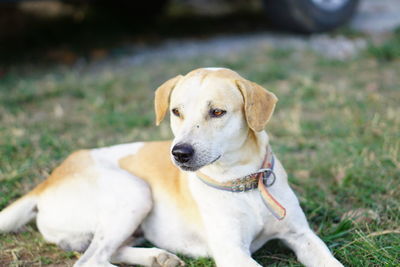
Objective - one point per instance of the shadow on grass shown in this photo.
(275, 253)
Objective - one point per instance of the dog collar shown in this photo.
(261, 180)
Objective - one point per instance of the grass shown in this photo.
(388, 51)
(336, 130)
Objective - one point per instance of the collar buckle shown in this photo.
(268, 176)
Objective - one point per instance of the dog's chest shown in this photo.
(166, 228)
(243, 213)
(222, 213)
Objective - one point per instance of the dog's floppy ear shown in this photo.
(259, 104)
(161, 100)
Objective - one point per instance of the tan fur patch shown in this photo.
(221, 73)
(78, 162)
(152, 163)
(161, 99)
(259, 104)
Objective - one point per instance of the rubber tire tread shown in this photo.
(304, 16)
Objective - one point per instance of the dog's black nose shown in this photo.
(182, 152)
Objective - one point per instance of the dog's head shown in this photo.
(212, 112)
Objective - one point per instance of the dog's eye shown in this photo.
(176, 112)
(215, 113)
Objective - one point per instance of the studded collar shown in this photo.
(261, 180)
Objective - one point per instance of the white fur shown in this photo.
(111, 155)
(214, 68)
(14, 217)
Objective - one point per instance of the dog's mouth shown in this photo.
(194, 167)
(189, 168)
(217, 158)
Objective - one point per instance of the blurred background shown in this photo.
(79, 74)
(82, 31)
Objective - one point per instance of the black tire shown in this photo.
(307, 16)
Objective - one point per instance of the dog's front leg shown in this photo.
(309, 248)
(226, 254)
(229, 245)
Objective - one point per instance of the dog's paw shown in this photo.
(91, 264)
(166, 259)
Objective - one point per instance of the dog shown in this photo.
(217, 190)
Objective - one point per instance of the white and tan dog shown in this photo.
(97, 199)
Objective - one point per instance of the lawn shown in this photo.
(335, 128)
